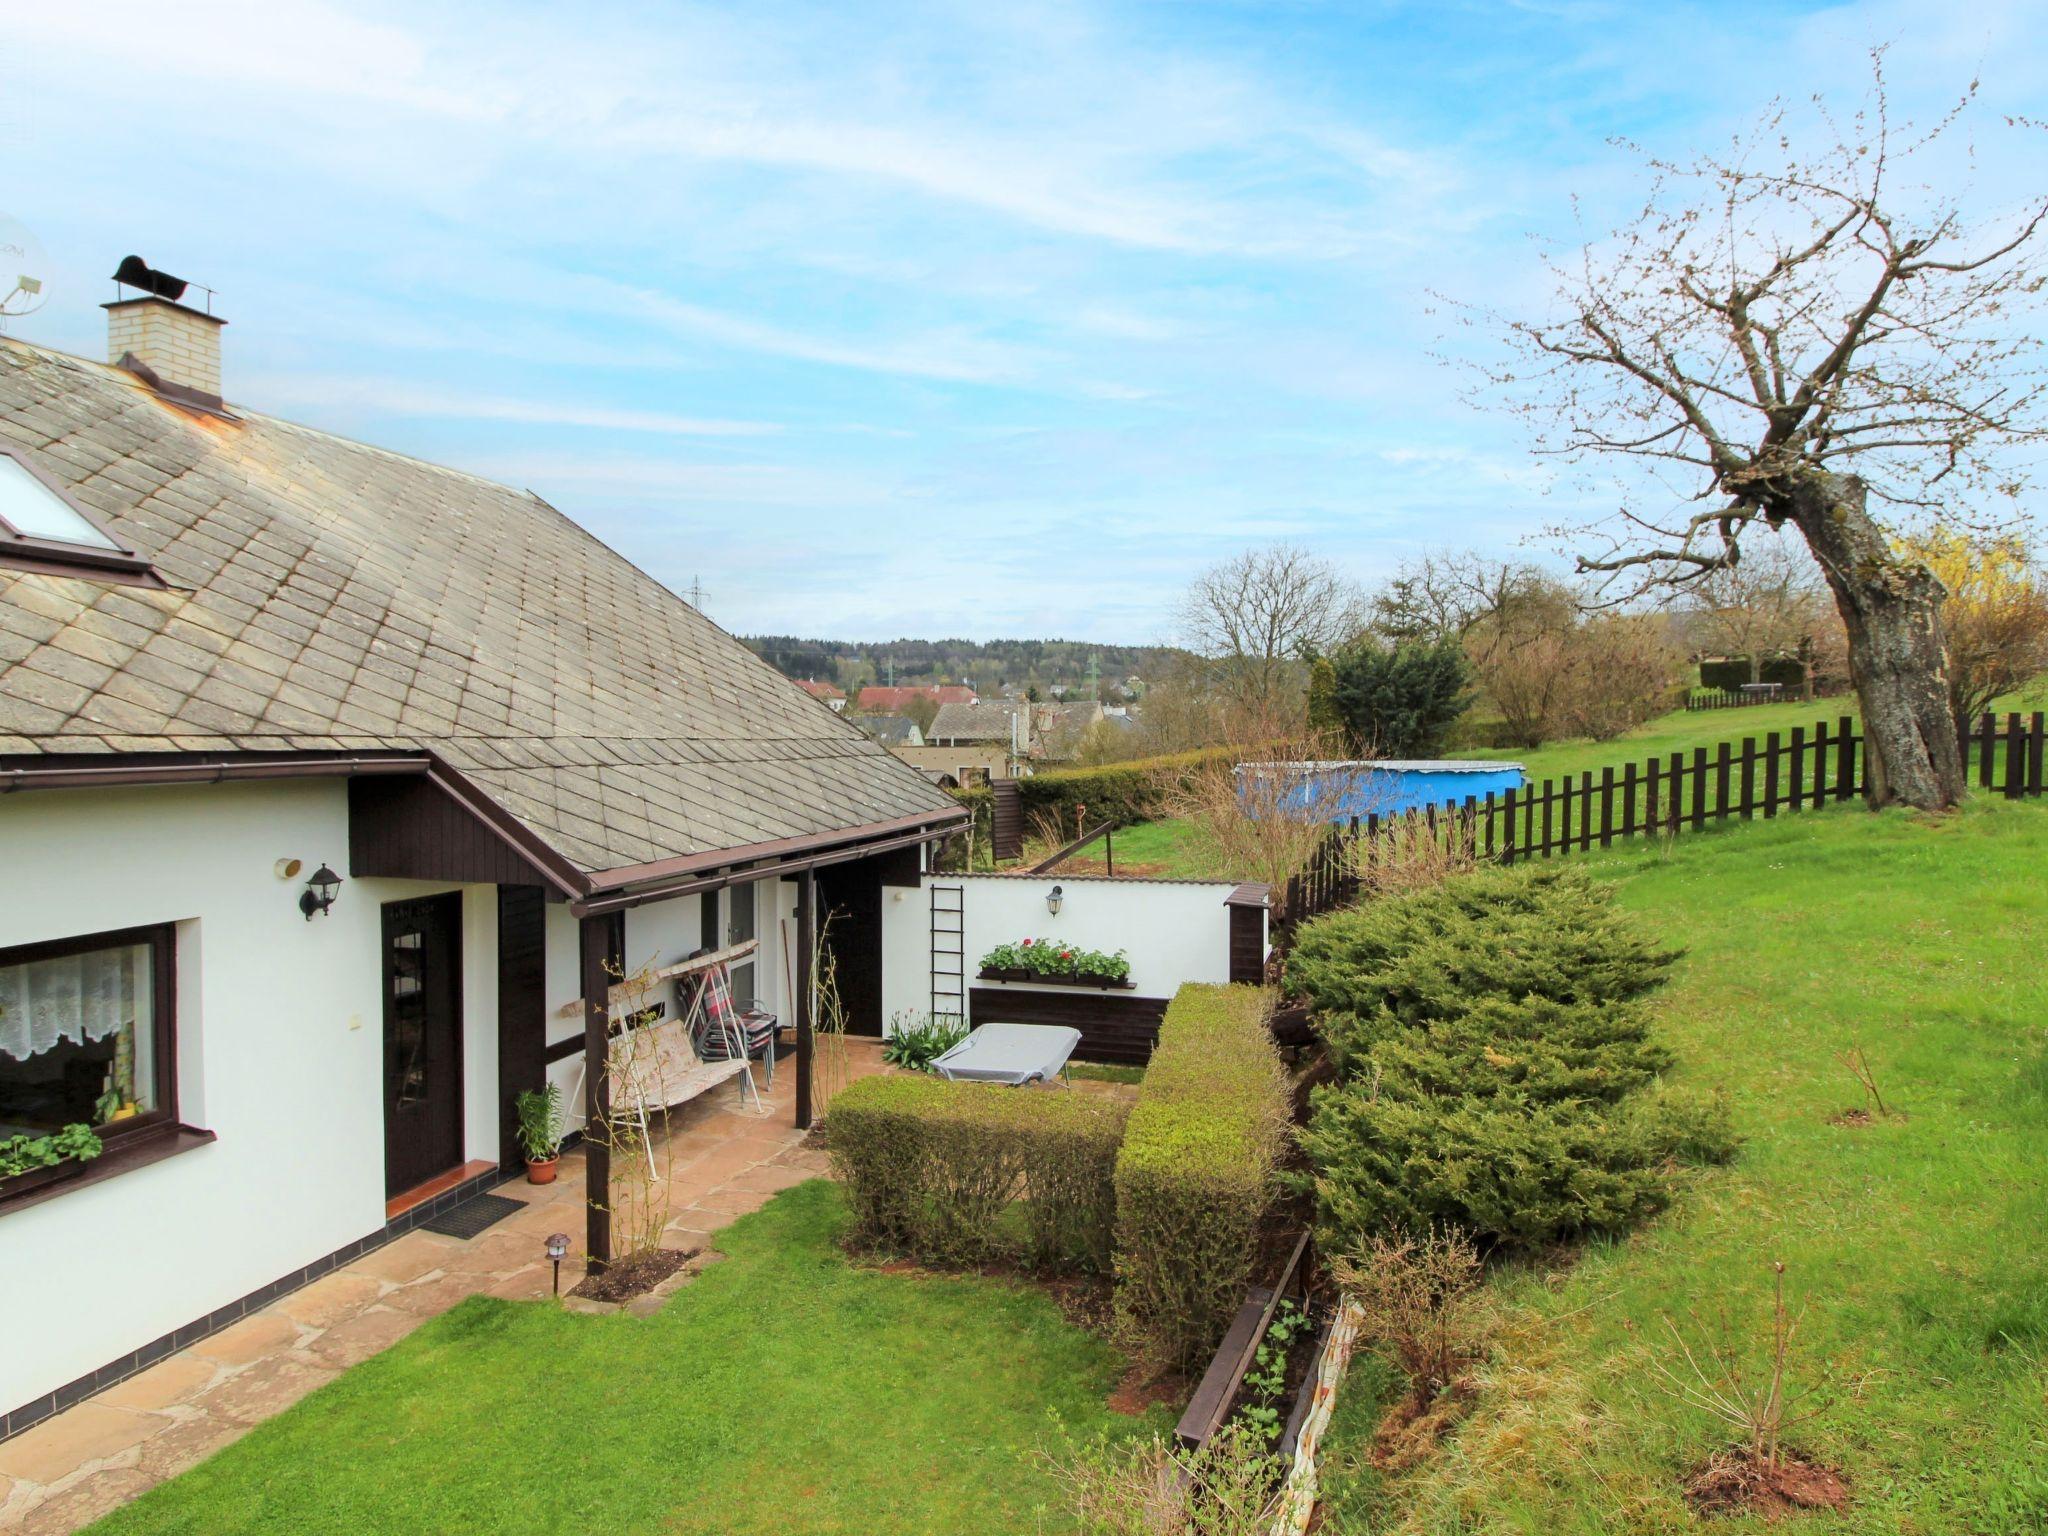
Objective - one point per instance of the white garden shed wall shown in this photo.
(1173, 931)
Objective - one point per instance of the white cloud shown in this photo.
(399, 397)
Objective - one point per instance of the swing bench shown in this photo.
(655, 1066)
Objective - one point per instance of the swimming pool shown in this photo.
(1386, 787)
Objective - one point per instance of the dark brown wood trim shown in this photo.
(412, 828)
(138, 1150)
(1115, 1026)
(121, 769)
(806, 963)
(786, 868)
(1047, 866)
(1247, 942)
(610, 880)
(27, 546)
(522, 1008)
(594, 947)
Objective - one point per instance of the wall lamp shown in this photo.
(1054, 898)
(322, 886)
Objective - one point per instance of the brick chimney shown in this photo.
(172, 346)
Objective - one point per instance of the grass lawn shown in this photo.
(1917, 1245)
(783, 1390)
(1169, 848)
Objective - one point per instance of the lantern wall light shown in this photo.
(322, 886)
(1054, 899)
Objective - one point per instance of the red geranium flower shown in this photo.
(1029, 942)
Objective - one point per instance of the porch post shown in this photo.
(593, 936)
(806, 964)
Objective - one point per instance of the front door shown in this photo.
(422, 1039)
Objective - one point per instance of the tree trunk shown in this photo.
(1897, 656)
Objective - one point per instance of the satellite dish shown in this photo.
(24, 269)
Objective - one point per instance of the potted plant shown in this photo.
(540, 1132)
(27, 1162)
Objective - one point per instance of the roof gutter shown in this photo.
(747, 853)
(125, 772)
(827, 848)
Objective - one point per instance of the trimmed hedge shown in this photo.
(1731, 675)
(1499, 1073)
(1123, 792)
(1197, 1170)
(932, 1169)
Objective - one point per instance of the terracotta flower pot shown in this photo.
(542, 1173)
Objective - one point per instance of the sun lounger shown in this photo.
(1010, 1053)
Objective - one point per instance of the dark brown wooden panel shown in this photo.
(522, 1008)
(406, 828)
(850, 910)
(1114, 1027)
(1007, 819)
(1247, 944)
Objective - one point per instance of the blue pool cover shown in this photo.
(1387, 787)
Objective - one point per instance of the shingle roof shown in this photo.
(989, 721)
(892, 730)
(1058, 730)
(327, 595)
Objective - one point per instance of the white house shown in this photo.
(238, 655)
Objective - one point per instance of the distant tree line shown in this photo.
(1070, 666)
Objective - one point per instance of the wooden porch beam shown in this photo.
(806, 970)
(594, 942)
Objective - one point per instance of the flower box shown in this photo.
(1042, 979)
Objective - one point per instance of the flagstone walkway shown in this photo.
(68, 1471)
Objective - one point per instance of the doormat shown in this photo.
(473, 1215)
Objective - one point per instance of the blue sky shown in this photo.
(993, 319)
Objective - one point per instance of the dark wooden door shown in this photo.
(422, 1039)
(850, 895)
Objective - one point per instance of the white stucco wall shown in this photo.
(1173, 931)
(280, 1054)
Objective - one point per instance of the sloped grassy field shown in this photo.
(1918, 1245)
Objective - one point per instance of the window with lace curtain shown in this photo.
(86, 1033)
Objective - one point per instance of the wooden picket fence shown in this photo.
(1661, 796)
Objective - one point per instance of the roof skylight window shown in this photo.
(42, 525)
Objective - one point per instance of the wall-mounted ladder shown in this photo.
(949, 952)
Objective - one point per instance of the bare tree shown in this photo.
(1791, 337)
(1254, 616)
(1444, 596)
(1763, 608)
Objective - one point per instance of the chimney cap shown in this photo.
(134, 272)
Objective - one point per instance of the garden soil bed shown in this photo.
(1736, 1482)
(630, 1277)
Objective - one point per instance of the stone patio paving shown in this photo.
(68, 1471)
